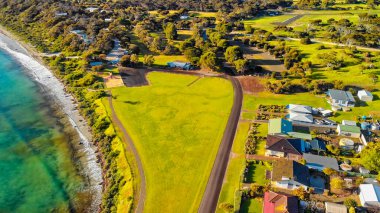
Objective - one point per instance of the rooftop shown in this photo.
(349, 128)
(280, 203)
(326, 162)
(370, 192)
(335, 208)
(279, 125)
(341, 95)
(287, 145)
(299, 108)
(290, 169)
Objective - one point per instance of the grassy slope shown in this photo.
(177, 130)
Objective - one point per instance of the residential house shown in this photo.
(300, 117)
(317, 146)
(289, 174)
(349, 131)
(296, 108)
(341, 98)
(279, 126)
(60, 14)
(335, 208)
(181, 65)
(289, 148)
(364, 95)
(369, 195)
(320, 162)
(280, 203)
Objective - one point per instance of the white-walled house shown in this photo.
(365, 95)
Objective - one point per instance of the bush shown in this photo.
(305, 40)
(350, 203)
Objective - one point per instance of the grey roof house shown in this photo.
(341, 98)
(320, 162)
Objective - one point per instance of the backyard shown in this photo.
(176, 117)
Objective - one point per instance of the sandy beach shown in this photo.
(30, 59)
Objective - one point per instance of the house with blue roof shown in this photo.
(279, 126)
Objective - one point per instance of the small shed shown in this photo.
(326, 113)
(364, 171)
(349, 123)
(346, 143)
(335, 208)
(365, 95)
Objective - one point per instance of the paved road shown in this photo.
(215, 182)
(142, 190)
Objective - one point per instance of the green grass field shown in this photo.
(266, 22)
(177, 130)
(163, 60)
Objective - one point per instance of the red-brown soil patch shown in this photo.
(251, 84)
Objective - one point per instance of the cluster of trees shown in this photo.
(306, 85)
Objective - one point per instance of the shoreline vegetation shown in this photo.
(98, 144)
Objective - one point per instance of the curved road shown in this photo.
(126, 137)
(214, 185)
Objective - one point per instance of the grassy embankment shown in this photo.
(177, 129)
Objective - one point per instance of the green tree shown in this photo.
(170, 31)
(233, 53)
(370, 157)
(210, 61)
(329, 171)
(336, 183)
(134, 59)
(241, 65)
(349, 202)
(301, 193)
(148, 60)
(125, 60)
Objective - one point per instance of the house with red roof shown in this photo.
(280, 203)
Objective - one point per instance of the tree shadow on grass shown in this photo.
(132, 102)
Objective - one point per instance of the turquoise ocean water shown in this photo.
(37, 173)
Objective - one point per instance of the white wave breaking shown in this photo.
(45, 77)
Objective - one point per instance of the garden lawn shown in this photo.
(252, 206)
(177, 130)
(256, 173)
(235, 167)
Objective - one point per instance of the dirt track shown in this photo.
(215, 182)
